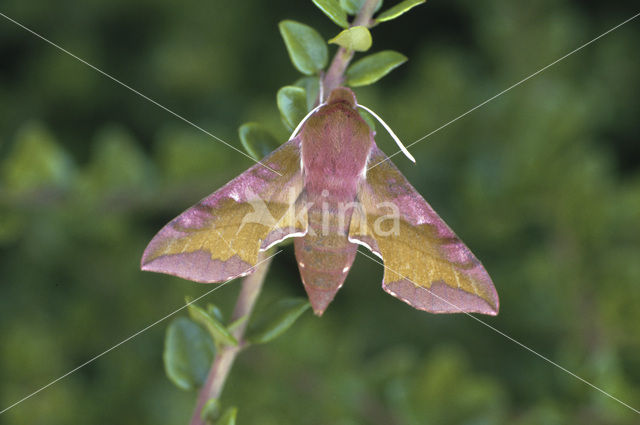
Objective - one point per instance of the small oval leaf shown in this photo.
(277, 320)
(188, 353)
(355, 38)
(228, 418)
(217, 330)
(257, 140)
(352, 7)
(332, 9)
(371, 68)
(398, 10)
(292, 102)
(307, 49)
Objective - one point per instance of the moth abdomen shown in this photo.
(323, 266)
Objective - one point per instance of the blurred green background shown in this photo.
(543, 184)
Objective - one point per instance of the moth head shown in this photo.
(342, 94)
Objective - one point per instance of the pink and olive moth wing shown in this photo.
(426, 265)
(220, 237)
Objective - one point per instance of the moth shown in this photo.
(331, 189)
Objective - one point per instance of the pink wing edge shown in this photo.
(440, 297)
(199, 266)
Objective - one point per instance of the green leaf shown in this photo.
(307, 50)
(217, 330)
(234, 325)
(332, 9)
(186, 156)
(257, 140)
(398, 10)
(118, 166)
(371, 68)
(292, 102)
(228, 418)
(312, 86)
(188, 353)
(355, 38)
(36, 162)
(215, 312)
(12, 225)
(368, 118)
(277, 320)
(211, 410)
(352, 7)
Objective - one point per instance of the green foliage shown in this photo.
(215, 312)
(371, 121)
(228, 418)
(355, 38)
(212, 413)
(217, 330)
(332, 9)
(371, 68)
(307, 50)
(211, 410)
(239, 321)
(11, 226)
(183, 156)
(444, 377)
(257, 140)
(188, 353)
(278, 318)
(311, 85)
(36, 163)
(397, 10)
(118, 167)
(352, 7)
(292, 103)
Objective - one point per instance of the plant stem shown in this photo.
(212, 388)
(334, 76)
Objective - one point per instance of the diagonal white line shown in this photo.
(127, 339)
(134, 90)
(371, 258)
(531, 350)
(512, 87)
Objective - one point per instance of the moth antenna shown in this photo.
(295, 132)
(391, 133)
(321, 91)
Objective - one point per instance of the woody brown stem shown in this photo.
(334, 77)
(212, 388)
